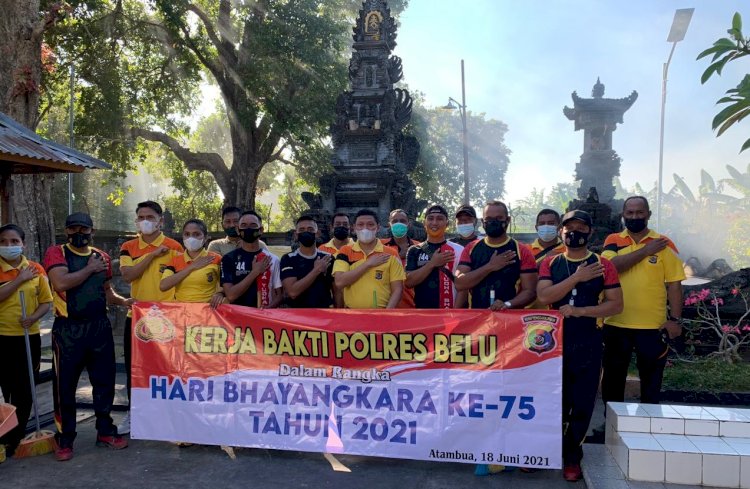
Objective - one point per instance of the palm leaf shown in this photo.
(683, 188)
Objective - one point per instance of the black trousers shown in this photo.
(651, 357)
(582, 364)
(14, 380)
(79, 344)
(127, 348)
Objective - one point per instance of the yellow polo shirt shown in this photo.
(537, 249)
(36, 291)
(200, 285)
(146, 287)
(643, 285)
(373, 289)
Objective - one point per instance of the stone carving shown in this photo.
(371, 157)
(599, 163)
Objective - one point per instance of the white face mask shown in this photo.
(192, 244)
(10, 252)
(547, 232)
(147, 227)
(465, 230)
(365, 235)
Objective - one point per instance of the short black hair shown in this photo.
(499, 204)
(548, 211)
(305, 217)
(252, 213)
(230, 209)
(197, 222)
(339, 214)
(150, 204)
(367, 212)
(397, 211)
(644, 199)
(16, 228)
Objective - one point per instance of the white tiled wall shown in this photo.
(681, 444)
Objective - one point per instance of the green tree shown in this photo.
(439, 171)
(722, 52)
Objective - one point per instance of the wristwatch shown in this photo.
(507, 304)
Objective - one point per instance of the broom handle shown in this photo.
(28, 361)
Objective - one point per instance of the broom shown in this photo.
(39, 442)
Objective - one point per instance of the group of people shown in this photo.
(626, 299)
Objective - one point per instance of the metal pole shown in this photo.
(465, 139)
(665, 70)
(72, 141)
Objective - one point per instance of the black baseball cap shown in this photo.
(579, 215)
(79, 219)
(436, 209)
(466, 209)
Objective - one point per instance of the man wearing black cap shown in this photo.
(466, 225)
(499, 272)
(573, 283)
(430, 266)
(82, 334)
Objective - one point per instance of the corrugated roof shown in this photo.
(17, 140)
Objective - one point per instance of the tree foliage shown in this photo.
(722, 52)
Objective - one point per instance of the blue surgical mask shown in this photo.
(547, 232)
(465, 230)
(10, 252)
(399, 229)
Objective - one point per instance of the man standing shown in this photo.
(82, 334)
(306, 272)
(142, 261)
(466, 225)
(398, 221)
(499, 271)
(250, 275)
(430, 266)
(651, 275)
(548, 243)
(370, 274)
(341, 238)
(573, 282)
(230, 217)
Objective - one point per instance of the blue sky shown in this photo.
(524, 58)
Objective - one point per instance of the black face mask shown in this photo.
(635, 225)
(306, 239)
(250, 235)
(231, 232)
(340, 233)
(576, 239)
(79, 240)
(495, 229)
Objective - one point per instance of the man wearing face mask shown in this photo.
(499, 272)
(82, 334)
(370, 274)
(573, 282)
(430, 266)
(548, 242)
(230, 217)
(142, 261)
(250, 275)
(398, 221)
(466, 225)
(306, 271)
(341, 238)
(651, 274)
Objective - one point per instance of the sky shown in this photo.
(525, 58)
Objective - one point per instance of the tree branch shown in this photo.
(194, 161)
(224, 49)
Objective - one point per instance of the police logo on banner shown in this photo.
(540, 333)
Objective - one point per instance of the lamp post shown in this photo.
(461, 106)
(676, 34)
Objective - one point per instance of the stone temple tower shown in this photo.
(371, 157)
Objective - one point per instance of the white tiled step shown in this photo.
(678, 420)
(681, 444)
